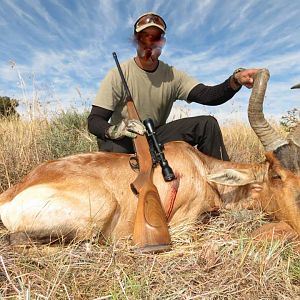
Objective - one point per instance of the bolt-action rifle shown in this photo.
(150, 233)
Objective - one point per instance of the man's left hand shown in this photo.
(245, 77)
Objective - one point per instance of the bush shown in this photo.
(290, 120)
(67, 134)
(8, 107)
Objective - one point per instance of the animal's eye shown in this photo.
(276, 176)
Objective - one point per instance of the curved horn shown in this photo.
(297, 86)
(270, 139)
(294, 135)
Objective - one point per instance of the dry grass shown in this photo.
(213, 260)
(216, 260)
(25, 144)
(20, 149)
(242, 144)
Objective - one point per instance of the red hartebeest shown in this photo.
(86, 194)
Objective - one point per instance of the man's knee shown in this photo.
(209, 121)
(207, 124)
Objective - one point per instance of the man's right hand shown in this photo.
(129, 128)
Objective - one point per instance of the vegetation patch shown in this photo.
(215, 259)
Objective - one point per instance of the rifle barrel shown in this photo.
(128, 94)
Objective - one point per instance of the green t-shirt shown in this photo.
(153, 93)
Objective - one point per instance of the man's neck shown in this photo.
(147, 65)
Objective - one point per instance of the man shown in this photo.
(154, 87)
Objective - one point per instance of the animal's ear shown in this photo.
(232, 177)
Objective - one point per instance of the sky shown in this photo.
(56, 52)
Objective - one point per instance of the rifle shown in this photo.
(150, 233)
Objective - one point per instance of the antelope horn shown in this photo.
(294, 135)
(270, 139)
(297, 86)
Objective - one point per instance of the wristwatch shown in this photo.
(235, 72)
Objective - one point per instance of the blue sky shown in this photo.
(57, 51)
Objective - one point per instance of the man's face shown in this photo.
(150, 42)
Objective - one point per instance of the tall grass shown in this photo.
(242, 144)
(214, 260)
(25, 144)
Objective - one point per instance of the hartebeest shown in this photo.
(86, 194)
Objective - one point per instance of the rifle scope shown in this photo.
(167, 171)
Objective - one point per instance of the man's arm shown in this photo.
(219, 94)
(98, 121)
(213, 95)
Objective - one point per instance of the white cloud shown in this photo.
(65, 46)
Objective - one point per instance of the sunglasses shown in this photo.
(148, 20)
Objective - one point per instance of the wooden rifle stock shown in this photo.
(150, 233)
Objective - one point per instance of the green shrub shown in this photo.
(8, 107)
(67, 134)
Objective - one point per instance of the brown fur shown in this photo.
(89, 194)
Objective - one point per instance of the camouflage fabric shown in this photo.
(129, 128)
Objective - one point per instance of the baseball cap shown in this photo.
(150, 19)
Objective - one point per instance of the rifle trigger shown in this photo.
(134, 163)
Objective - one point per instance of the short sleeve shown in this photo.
(185, 84)
(110, 91)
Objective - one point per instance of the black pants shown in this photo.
(203, 132)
